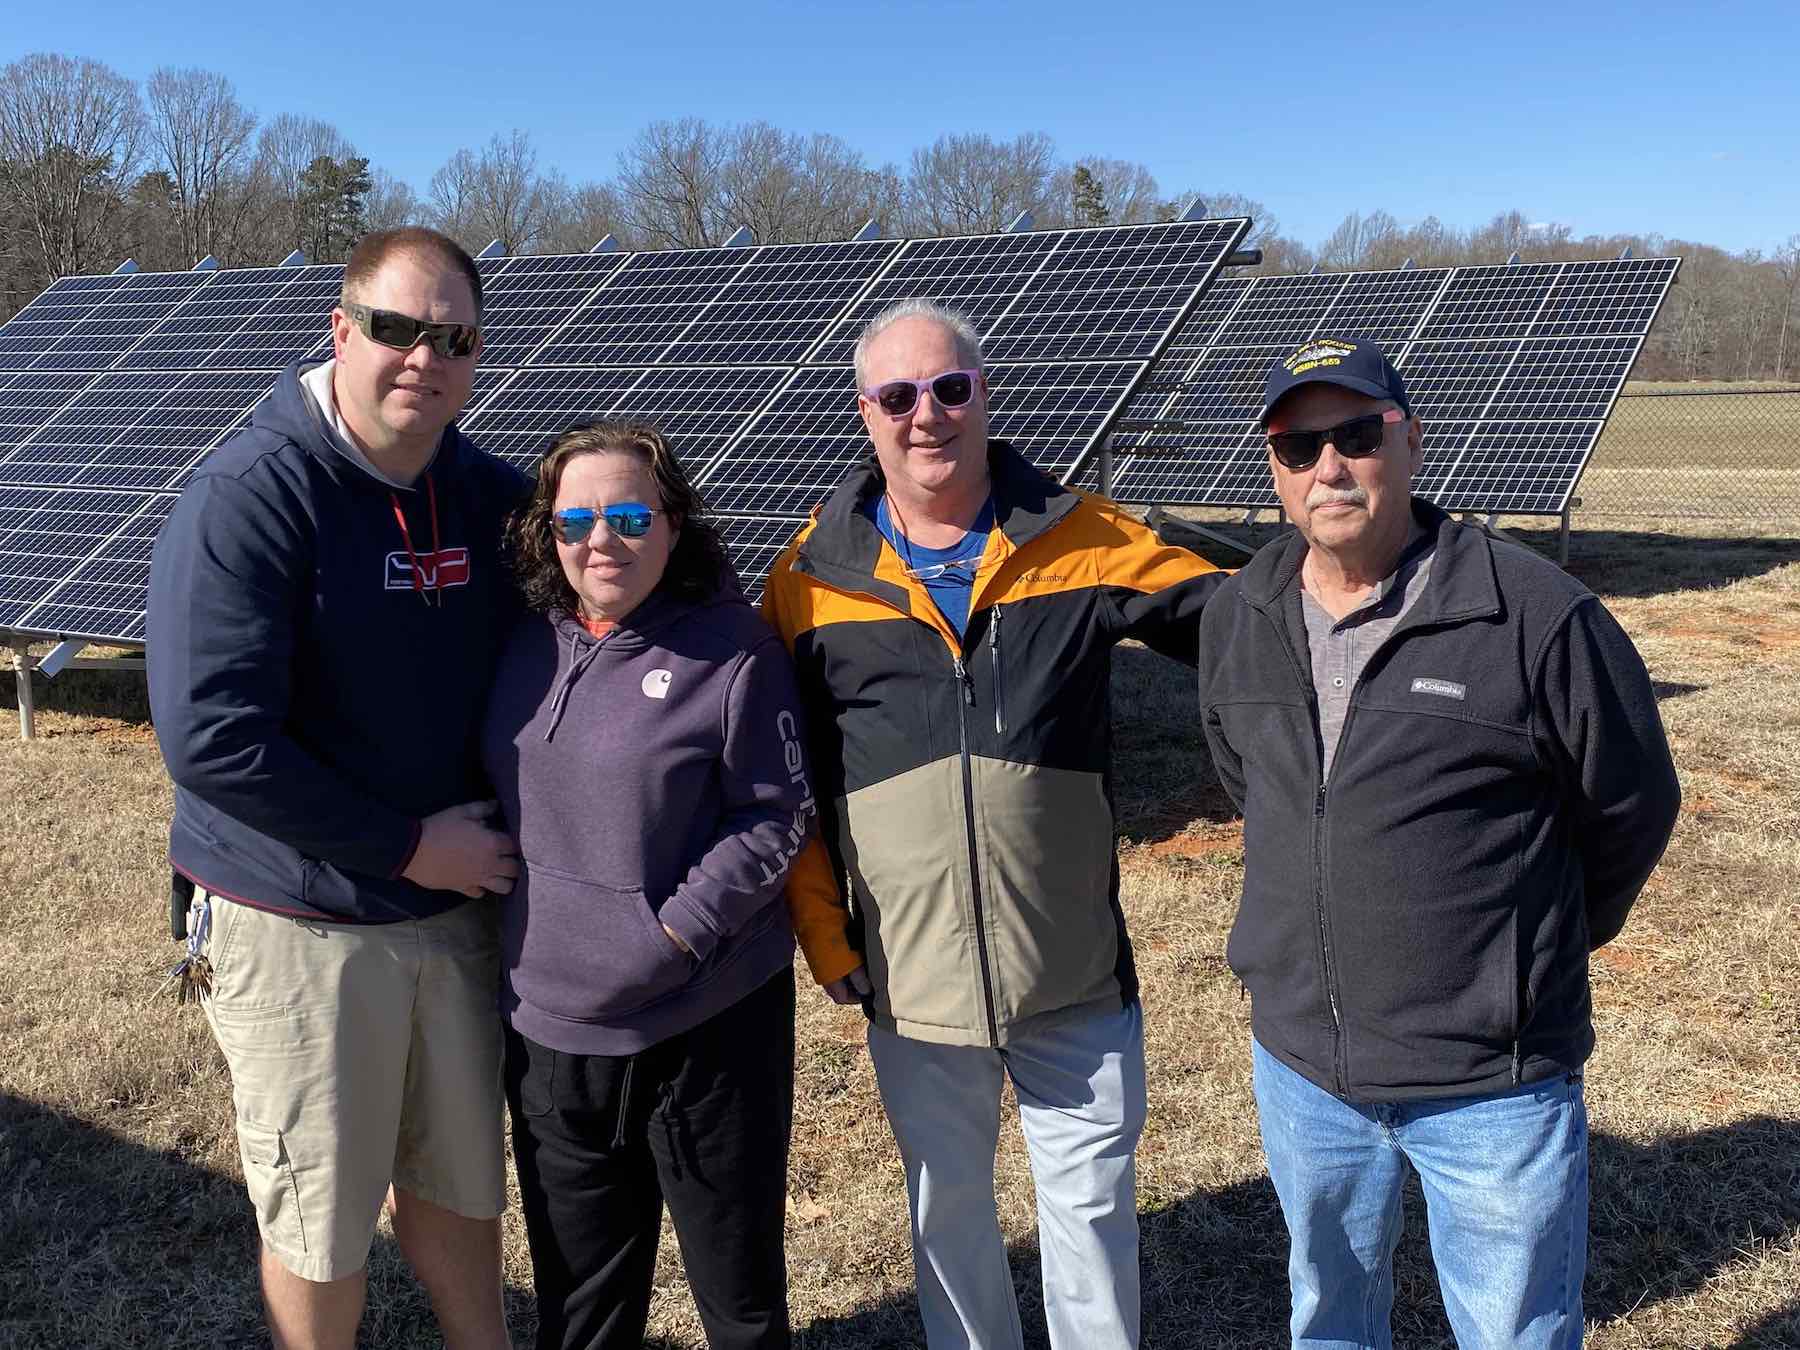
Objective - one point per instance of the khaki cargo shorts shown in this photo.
(359, 1054)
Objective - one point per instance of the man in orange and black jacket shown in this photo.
(952, 612)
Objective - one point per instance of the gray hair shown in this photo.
(968, 341)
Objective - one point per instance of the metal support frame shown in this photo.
(1106, 465)
(64, 656)
(21, 663)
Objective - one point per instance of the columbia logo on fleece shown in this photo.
(789, 731)
(1442, 688)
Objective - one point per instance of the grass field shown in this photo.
(1725, 453)
(122, 1222)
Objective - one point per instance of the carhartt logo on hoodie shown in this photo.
(656, 684)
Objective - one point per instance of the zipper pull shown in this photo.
(962, 675)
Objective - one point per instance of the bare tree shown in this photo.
(287, 148)
(586, 215)
(497, 194)
(201, 136)
(669, 184)
(70, 135)
(973, 184)
(1787, 269)
(1359, 241)
(391, 202)
(1114, 192)
(790, 188)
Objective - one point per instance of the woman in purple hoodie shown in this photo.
(645, 739)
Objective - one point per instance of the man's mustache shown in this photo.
(1326, 496)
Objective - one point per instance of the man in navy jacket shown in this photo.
(325, 604)
(1454, 783)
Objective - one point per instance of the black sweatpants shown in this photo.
(700, 1120)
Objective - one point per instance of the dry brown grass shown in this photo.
(121, 1221)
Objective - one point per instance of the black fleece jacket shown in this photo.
(1419, 926)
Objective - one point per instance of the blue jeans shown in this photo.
(1505, 1178)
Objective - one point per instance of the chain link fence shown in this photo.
(1707, 452)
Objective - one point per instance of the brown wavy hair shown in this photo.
(698, 565)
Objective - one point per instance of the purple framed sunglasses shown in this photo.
(897, 398)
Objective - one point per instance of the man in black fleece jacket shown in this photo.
(1454, 783)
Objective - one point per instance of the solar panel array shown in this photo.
(114, 388)
(1512, 369)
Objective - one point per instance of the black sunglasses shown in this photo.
(897, 398)
(1358, 438)
(401, 331)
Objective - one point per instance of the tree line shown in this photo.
(95, 169)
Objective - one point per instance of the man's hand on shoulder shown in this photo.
(853, 988)
(459, 851)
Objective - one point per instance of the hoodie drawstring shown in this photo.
(577, 664)
(435, 595)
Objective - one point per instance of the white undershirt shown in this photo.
(321, 400)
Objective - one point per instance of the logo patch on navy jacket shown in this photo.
(446, 567)
(1442, 688)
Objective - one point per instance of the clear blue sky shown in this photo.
(1676, 119)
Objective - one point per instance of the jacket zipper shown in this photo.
(967, 701)
(994, 649)
(1329, 976)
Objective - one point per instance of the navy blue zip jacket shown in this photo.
(1419, 925)
(312, 704)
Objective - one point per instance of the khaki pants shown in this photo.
(360, 1054)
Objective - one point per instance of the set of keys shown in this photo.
(191, 977)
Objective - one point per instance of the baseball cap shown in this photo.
(1353, 362)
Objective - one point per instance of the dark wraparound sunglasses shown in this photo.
(1358, 438)
(897, 398)
(401, 331)
(628, 520)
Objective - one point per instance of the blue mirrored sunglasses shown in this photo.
(628, 520)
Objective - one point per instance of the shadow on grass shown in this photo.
(106, 1242)
(118, 694)
(1666, 1218)
(1163, 779)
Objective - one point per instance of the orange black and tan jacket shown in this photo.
(964, 784)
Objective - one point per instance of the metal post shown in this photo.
(21, 658)
(1562, 539)
(1106, 466)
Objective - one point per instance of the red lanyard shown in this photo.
(435, 596)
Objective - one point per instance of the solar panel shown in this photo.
(1513, 371)
(1060, 295)
(774, 309)
(47, 534)
(103, 597)
(113, 388)
(809, 437)
(697, 408)
(225, 322)
(121, 319)
(29, 399)
(51, 317)
(531, 297)
(754, 542)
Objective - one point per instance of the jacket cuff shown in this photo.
(679, 914)
(829, 954)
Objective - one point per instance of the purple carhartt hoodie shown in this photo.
(654, 776)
